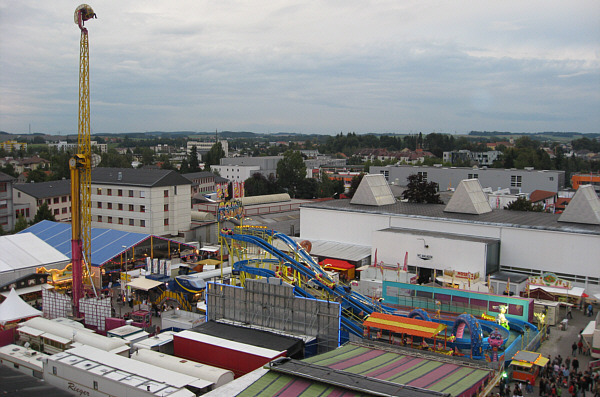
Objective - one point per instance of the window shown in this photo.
(64, 210)
(99, 205)
(95, 385)
(473, 176)
(120, 206)
(99, 191)
(56, 199)
(423, 174)
(131, 193)
(175, 190)
(142, 194)
(166, 207)
(54, 371)
(130, 222)
(551, 178)
(56, 211)
(130, 207)
(48, 201)
(3, 187)
(142, 223)
(99, 218)
(166, 193)
(166, 221)
(120, 221)
(63, 199)
(109, 192)
(515, 181)
(142, 208)
(109, 220)
(120, 192)
(109, 206)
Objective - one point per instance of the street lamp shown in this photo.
(126, 293)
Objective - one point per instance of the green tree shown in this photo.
(420, 191)
(193, 164)
(522, 204)
(36, 175)
(291, 171)
(21, 224)
(43, 213)
(113, 159)
(214, 156)
(256, 185)
(354, 184)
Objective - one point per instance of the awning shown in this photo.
(208, 262)
(542, 361)
(143, 283)
(209, 248)
(404, 325)
(521, 363)
(27, 290)
(336, 264)
(575, 291)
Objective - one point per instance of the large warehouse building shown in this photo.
(465, 235)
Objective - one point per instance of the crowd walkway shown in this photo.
(559, 344)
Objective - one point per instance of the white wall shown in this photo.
(543, 250)
(459, 255)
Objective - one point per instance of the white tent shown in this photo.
(15, 308)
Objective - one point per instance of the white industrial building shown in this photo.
(141, 200)
(465, 235)
(237, 173)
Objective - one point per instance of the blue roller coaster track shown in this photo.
(355, 306)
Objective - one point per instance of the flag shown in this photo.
(406, 262)
(375, 260)
(434, 275)
(507, 287)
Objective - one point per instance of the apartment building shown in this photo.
(150, 201)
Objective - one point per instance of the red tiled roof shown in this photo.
(539, 195)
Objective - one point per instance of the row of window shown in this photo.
(130, 192)
(119, 192)
(130, 207)
(130, 222)
(54, 200)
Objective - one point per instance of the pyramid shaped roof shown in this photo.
(469, 198)
(583, 208)
(15, 308)
(373, 190)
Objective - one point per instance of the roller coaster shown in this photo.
(256, 249)
(298, 268)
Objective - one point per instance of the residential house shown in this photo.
(29, 197)
(7, 218)
(546, 198)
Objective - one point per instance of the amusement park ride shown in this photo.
(81, 169)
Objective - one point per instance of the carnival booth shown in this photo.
(525, 365)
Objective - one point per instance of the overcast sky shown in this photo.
(304, 66)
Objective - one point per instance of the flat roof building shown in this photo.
(519, 181)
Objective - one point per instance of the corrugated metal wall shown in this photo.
(275, 306)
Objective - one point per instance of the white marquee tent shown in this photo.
(21, 254)
(14, 308)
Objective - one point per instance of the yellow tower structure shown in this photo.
(81, 168)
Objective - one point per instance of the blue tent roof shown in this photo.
(106, 243)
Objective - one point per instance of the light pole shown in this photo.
(124, 284)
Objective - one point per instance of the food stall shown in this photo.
(525, 366)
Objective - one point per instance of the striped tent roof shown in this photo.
(393, 367)
(404, 325)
